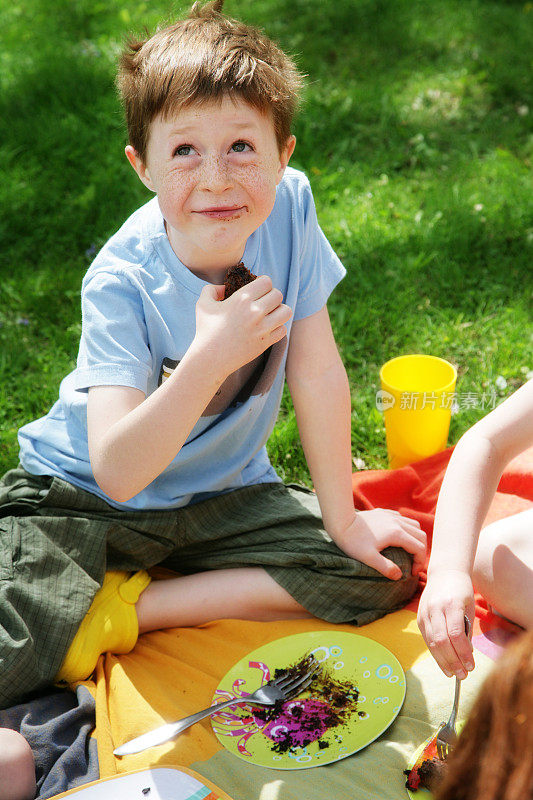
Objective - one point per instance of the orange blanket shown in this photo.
(413, 491)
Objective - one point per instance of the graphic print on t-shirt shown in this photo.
(252, 380)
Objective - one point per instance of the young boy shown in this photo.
(155, 451)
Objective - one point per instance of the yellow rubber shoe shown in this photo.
(110, 625)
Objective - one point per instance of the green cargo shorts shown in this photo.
(57, 541)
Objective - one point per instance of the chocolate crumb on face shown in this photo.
(235, 278)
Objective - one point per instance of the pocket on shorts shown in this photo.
(20, 488)
(54, 491)
(9, 546)
(64, 495)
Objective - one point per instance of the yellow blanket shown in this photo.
(173, 673)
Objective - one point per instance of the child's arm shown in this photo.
(320, 392)
(469, 485)
(132, 439)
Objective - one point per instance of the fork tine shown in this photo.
(288, 679)
(288, 683)
(277, 681)
(295, 684)
(286, 676)
(442, 750)
(304, 685)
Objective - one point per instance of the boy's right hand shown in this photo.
(445, 601)
(242, 327)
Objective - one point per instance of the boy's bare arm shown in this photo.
(320, 392)
(132, 439)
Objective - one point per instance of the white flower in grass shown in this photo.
(501, 383)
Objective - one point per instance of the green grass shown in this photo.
(415, 131)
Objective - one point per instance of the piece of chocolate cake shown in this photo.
(432, 772)
(235, 278)
(428, 774)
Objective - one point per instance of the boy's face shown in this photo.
(215, 168)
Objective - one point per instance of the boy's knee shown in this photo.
(17, 767)
(366, 595)
(402, 559)
(407, 585)
(384, 595)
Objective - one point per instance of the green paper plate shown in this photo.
(374, 670)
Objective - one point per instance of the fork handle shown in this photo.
(186, 722)
(166, 732)
(453, 715)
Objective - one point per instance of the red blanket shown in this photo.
(413, 491)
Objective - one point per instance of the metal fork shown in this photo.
(447, 735)
(277, 690)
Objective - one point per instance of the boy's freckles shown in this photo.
(215, 168)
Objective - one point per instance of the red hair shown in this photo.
(493, 758)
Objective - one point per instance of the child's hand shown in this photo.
(242, 327)
(373, 531)
(448, 596)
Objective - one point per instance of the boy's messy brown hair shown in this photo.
(204, 57)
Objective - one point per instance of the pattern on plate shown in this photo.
(376, 673)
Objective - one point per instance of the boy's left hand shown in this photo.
(370, 532)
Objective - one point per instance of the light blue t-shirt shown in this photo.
(138, 320)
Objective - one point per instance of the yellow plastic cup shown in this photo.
(416, 399)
